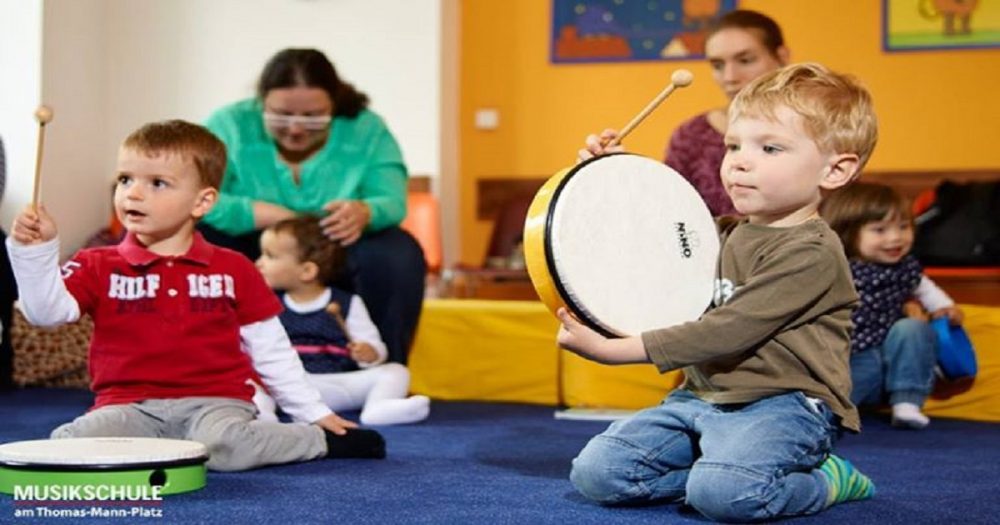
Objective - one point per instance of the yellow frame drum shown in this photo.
(624, 242)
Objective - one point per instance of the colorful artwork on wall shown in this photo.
(632, 30)
(940, 24)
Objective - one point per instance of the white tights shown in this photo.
(379, 391)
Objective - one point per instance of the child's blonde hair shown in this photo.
(328, 256)
(191, 141)
(861, 203)
(836, 110)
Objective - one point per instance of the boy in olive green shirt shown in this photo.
(748, 436)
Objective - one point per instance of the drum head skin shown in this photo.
(105, 452)
(628, 244)
(175, 465)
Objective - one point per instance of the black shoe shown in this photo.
(356, 443)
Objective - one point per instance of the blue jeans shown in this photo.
(742, 462)
(900, 369)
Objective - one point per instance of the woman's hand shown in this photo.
(597, 145)
(33, 226)
(581, 340)
(346, 220)
(336, 424)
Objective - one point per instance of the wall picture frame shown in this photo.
(594, 31)
(922, 25)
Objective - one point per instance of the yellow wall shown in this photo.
(938, 110)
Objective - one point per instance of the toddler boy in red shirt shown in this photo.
(179, 324)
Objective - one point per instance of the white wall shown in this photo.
(111, 65)
(20, 91)
(184, 58)
(79, 153)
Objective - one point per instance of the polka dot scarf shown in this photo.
(883, 289)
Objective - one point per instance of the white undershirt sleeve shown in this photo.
(279, 366)
(44, 298)
(931, 296)
(362, 329)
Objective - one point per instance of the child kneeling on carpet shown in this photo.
(748, 436)
(337, 341)
(175, 317)
(893, 347)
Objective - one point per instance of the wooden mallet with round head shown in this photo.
(680, 78)
(43, 115)
(334, 310)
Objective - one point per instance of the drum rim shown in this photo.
(550, 262)
(104, 467)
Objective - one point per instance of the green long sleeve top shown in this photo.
(360, 160)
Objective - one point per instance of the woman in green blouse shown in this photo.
(307, 144)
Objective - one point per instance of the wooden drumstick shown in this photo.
(334, 310)
(679, 78)
(43, 115)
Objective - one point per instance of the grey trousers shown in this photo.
(227, 427)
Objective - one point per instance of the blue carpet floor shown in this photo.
(505, 463)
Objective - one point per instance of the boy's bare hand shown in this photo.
(33, 227)
(581, 340)
(596, 145)
(336, 424)
(362, 352)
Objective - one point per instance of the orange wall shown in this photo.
(938, 110)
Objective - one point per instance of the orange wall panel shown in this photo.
(937, 109)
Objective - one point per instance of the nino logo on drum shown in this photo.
(686, 240)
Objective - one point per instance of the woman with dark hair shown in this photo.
(741, 46)
(308, 144)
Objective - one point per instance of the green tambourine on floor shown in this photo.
(99, 468)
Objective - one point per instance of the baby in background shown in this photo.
(336, 339)
(893, 347)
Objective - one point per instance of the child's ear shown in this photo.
(310, 271)
(841, 170)
(204, 201)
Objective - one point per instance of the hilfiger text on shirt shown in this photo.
(210, 286)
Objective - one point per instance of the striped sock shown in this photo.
(844, 482)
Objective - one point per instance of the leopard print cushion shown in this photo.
(51, 357)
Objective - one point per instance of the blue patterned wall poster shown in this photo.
(632, 30)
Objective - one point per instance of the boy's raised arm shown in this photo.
(43, 295)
